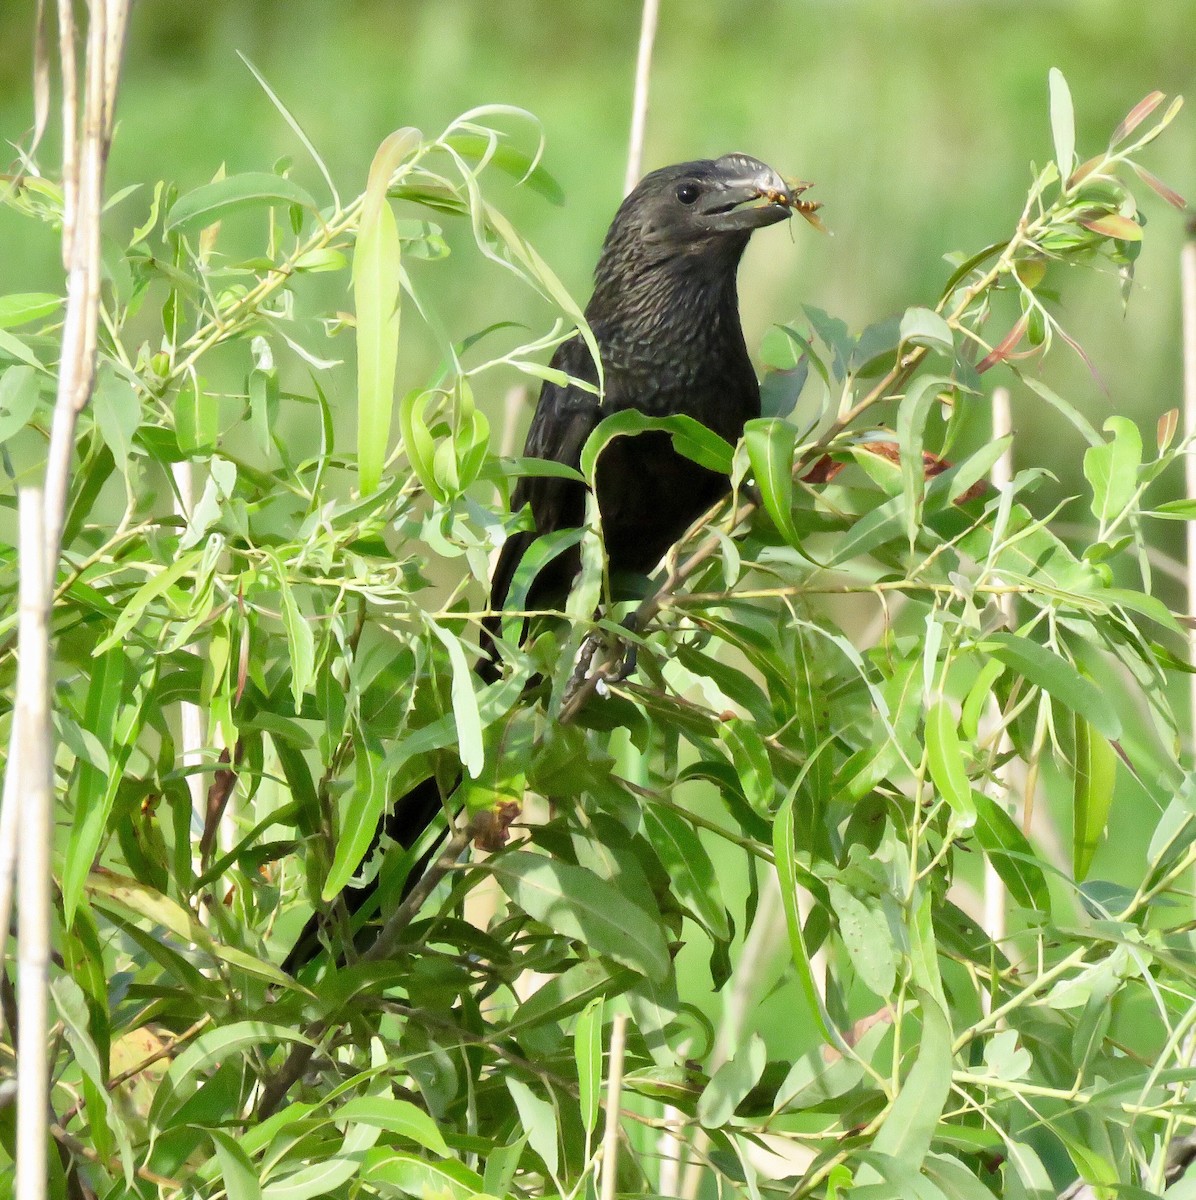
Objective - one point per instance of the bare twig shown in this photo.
(31, 759)
(995, 896)
(639, 104)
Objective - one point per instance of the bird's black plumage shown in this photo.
(665, 317)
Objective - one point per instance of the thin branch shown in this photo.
(31, 759)
(639, 104)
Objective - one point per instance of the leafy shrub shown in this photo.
(849, 680)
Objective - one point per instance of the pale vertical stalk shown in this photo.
(190, 718)
(761, 941)
(614, 1100)
(1187, 270)
(996, 899)
(85, 153)
(639, 105)
(31, 761)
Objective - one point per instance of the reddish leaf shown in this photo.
(1136, 116)
(1156, 184)
(1002, 351)
(1168, 423)
(1113, 225)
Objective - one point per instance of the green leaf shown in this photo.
(212, 201)
(157, 585)
(691, 872)
(95, 789)
(360, 816)
(117, 412)
(465, 703)
(913, 1119)
(510, 160)
(1011, 855)
(236, 1171)
(945, 759)
(689, 437)
(1092, 794)
(587, 1052)
(576, 903)
(785, 851)
(414, 1176)
(301, 642)
(1056, 676)
(1112, 469)
(867, 939)
(13, 347)
(911, 427)
(752, 764)
(770, 443)
(1063, 123)
(196, 419)
(211, 1048)
(376, 287)
(538, 1119)
(19, 394)
(925, 327)
(22, 307)
(395, 1116)
(730, 1084)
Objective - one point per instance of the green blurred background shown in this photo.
(918, 122)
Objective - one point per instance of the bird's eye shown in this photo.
(687, 193)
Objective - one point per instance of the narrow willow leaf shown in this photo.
(93, 793)
(1063, 123)
(1056, 676)
(376, 287)
(913, 1118)
(1092, 794)
(691, 872)
(587, 1052)
(945, 758)
(117, 412)
(1011, 854)
(731, 1083)
(157, 585)
(911, 428)
(301, 642)
(22, 307)
(1113, 225)
(785, 849)
(237, 1173)
(13, 347)
(1135, 117)
(465, 703)
(867, 939)
(770, 443)
(360, 816)
(213, 201)
(689, 437)
(196, 419)
(538, 1118)
(210, 1049)
(19, 394)
(399, 1171)
(752, 764)
(576, 903)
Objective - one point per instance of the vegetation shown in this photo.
(838, 677)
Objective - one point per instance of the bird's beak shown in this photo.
(749, 195)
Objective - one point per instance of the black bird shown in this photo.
(665, 315)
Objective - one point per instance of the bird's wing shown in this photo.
(565, 417)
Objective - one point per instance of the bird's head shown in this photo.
(701, 207)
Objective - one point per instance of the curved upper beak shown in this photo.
(743, 181)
